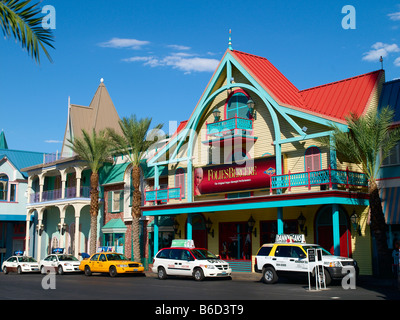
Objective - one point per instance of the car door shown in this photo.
(186, 263)
(93, 262)
(173, 263)
(102, 263)
(12, 264)
(281, 259)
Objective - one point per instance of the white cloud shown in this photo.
(380, 49)
(178, 47)
(53, 141)
(394, 16)
(124, 43)
(181, 61)
(397, 62)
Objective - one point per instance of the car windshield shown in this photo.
(203, 254)
(324, 252)
(116, 256)
(67, 258)
(26, 259)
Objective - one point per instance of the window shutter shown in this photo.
(121, 201)
(109, 199)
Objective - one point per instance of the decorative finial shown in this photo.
(230, 40)
(101, 80)
(381, 61)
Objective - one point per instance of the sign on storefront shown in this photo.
(252, 174)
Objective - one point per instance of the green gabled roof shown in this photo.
(22, 159)
(3, 141)
(114, 226)
(110, 173)
(148, 172)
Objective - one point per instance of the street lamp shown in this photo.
(251, 106)
(209, 226)
(250, 223)
(217, 114)
(176, 228)
(354, 221)
(301, 220)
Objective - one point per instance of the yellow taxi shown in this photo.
(112, 263)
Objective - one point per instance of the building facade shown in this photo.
(248, 165)
(14, 228)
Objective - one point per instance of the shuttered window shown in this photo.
(180, 180)
(312, 159)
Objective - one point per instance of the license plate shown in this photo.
(135, 269)
(223, 272)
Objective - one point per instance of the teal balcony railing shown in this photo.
(230, 126)
(162, 195)
(328, 177)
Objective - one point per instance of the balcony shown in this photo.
(233, 128)
(327, 177)
(52, 195)
(162, 196)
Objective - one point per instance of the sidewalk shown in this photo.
(364, 281)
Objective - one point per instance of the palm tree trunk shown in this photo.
(94, 210)
(136, 213)
(378, 227)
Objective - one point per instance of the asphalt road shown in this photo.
(135, 287)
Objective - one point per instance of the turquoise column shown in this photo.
(155, 242)
(280, 220)
(156, 177)
(189, 227)
(336, 229)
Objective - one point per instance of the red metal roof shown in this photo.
(334, 100)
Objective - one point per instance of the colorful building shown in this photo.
(389, 175)
(14, 227)
(59, 185)
(248, 165)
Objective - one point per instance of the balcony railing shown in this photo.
(230, 126)
(328, 177)
(51, 195)
(162, 195)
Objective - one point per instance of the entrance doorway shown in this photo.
(324, 230)
(199, 232)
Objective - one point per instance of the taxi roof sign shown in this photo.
(185, 243)
(57, 250)
(290, 238)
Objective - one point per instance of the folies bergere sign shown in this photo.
(252, 174)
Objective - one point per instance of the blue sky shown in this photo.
(156, 57)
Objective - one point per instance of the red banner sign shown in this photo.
(252, 174)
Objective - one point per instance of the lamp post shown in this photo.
(209, 226)
(250, 223)
(301, 220)
(354, 221)
(217, 114)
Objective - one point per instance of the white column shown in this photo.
(28, 223)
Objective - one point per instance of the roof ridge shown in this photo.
(339, 81)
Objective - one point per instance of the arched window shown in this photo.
(237, 105)
(3, 187)
(180, 180)
(312, 159)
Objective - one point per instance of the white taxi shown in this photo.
(20, 263)
(183, 259)
(59, 262)
(288, 257)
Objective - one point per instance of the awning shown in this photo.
(114, 226)
(390, 204)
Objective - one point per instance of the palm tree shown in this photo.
(134, 141)
(23, 20)
(95, 150)
(368, 143)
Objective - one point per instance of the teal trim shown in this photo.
(336, 229)
(259, 205)
(305, 137)
(189, 227)
(280, 220)
(110, 173)
(155, 237)
(13, 217)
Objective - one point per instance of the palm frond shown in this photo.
(94, 148)
(23, 20)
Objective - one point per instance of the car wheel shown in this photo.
(19, 271)
(113, 271)
(88, 272)
(60, 270)
(162, 275)
(198, 274)
(5, 270)
(269, 275)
